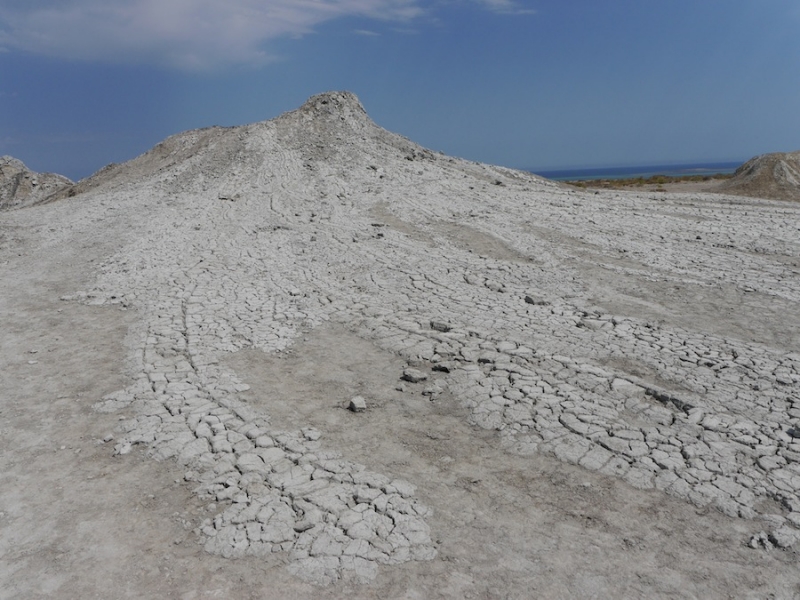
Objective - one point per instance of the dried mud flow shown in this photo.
(308, 358)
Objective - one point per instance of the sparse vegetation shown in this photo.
(658, 180)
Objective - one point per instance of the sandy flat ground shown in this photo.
(608, 406)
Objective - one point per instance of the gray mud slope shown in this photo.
(556, 381)
(775, 176)
(21, 187)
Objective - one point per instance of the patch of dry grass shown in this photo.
(642, 181)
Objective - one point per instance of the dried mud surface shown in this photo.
(568, 394)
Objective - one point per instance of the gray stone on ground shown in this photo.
(414, 375)
(357, 404)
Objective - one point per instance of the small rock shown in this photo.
(626, 388)
(439, 326)
(535, 301)
(495, 286)
(760, 540)
(433, 389)
(414, 376)
(108, 438)
(304, 525)
(312, 434)
(357, 404)
(784, 537)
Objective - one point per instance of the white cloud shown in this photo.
(187, 34)
(506, 7)
(190, 34)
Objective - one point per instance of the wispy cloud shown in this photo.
(507, 7)
(187, 34)
(367, 33)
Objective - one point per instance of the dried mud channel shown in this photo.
(568, 394)
(508, 526)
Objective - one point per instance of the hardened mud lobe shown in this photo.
(487, 289)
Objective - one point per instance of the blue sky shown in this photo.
(522, 83)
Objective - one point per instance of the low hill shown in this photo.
(775, 176)
(19, 186)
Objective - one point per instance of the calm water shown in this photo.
(645, 171)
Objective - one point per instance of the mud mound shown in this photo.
(185, 148)
(365, 365)
(19, 186)
(329, 132)
(775, 176)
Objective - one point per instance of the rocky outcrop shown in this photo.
(19, 186)
(775, 176)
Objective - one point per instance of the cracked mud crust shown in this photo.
(562, 393)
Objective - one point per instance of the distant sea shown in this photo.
(722, 168)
